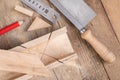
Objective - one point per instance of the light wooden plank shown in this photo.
(113, 14)
(22, 63)
(38, 23)
(24, 10)
(112, 10)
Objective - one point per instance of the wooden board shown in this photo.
(112, 11)
(38, 23)
(22, 63)
(113, 14)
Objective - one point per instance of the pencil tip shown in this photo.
(20, 22)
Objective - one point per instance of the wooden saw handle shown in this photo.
(101, 49)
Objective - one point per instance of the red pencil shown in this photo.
(10, 27)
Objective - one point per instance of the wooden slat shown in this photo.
(23, 10)
(22, 63)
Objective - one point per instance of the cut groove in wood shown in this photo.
(22, 63)
(24, 10)
(63, 61)
(38, 23)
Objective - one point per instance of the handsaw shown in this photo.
(80, 14)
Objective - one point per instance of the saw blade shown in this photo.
(77, 11)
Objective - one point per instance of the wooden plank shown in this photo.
(113, 14)
(22, 63)
(23, 10)
(112, 10)
(38, 23)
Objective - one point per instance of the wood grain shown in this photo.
(22, 63)
(113, 14)
(105, 33)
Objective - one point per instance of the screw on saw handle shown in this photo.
(101, 49)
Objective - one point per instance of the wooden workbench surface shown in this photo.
(106, 27)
